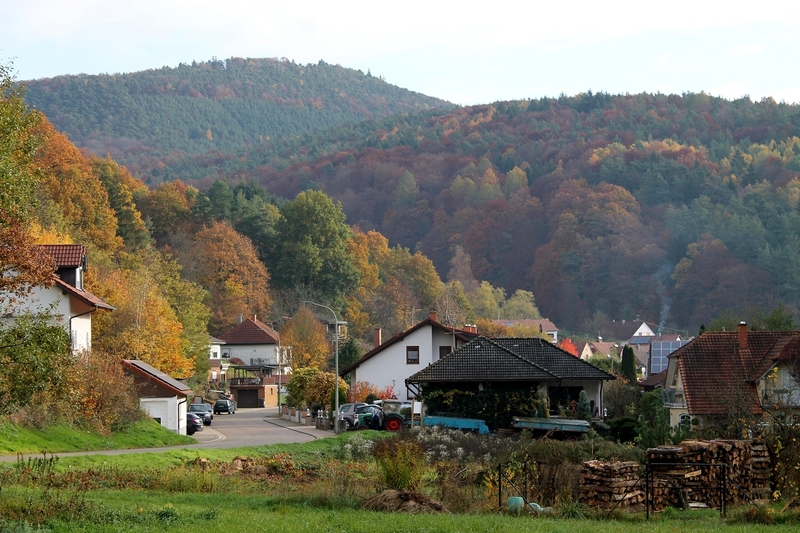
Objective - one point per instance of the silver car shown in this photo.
(347, 412)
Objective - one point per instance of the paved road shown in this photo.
(248, 427)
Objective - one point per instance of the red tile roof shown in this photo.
(66, 255)
(251, 331)
(716, 370)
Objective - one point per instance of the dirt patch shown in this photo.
(403, 502)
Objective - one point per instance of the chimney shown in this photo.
(742, 335)
(432, 315)
(253, 317)
(377, 337)
(241, 316)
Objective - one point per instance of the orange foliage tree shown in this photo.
(76, 193)
(308, 339)
(568, 346)
(225, 263)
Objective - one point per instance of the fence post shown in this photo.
(500, 486)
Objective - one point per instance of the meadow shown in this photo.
(323, 486)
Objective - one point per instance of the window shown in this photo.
(444, 351)
(412, 355)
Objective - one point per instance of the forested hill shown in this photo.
(670, 208)
(149, 119)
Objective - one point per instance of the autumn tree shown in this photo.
(168, 210)
(568, 346)
(226, 264)
(308, 338)
(121, 187)
(144, 325)
(486, 300)
(394, 285)
(520, 305)
(77, 194)
(22, 266)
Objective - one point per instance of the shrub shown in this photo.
(401, 463)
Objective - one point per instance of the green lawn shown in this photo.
(61, 439)
(156, 511)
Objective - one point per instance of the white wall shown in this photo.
(390, 365)
(171, 412)
(63, 306)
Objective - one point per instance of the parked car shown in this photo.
(203, 410)
(193, 423)
(347, 412)
(225, 406)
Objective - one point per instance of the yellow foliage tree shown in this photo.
(144, 326)
(307, 337)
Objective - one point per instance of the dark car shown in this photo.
(224, 406)
(193, 423)
(204, 411)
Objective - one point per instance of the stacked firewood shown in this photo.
(609, 485)
(692, 473)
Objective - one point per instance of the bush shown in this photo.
(401, 463)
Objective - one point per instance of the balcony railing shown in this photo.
(238, 382)
(674, 398)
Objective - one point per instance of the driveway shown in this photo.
(248, 427)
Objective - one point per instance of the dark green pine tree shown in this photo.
(629, 364)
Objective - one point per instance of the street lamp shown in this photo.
(336, 361)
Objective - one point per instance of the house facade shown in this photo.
(391, 362)
(70, 304)
(733, 374)
(161, 396)
(251, 341)
(253, 346)
(515, 364)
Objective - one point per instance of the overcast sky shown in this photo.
(465, 52)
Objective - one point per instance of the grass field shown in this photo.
(316, 486)
(61, 439)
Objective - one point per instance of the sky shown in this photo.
(465, 52)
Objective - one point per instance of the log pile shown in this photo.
(608, 485)
(691, 473)
(686, 475)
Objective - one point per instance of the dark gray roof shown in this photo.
(152, 373)
(515, 359)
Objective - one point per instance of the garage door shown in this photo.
(248, 398)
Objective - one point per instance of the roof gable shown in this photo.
(399, 337)
(156, 376)
(250, 331)
(511, 359)
(715, 370)
(84, 296)
(66, 255)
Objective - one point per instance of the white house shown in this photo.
(67, 300)
(163, 397)
(408, 352)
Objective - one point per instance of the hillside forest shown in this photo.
(675, 209)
